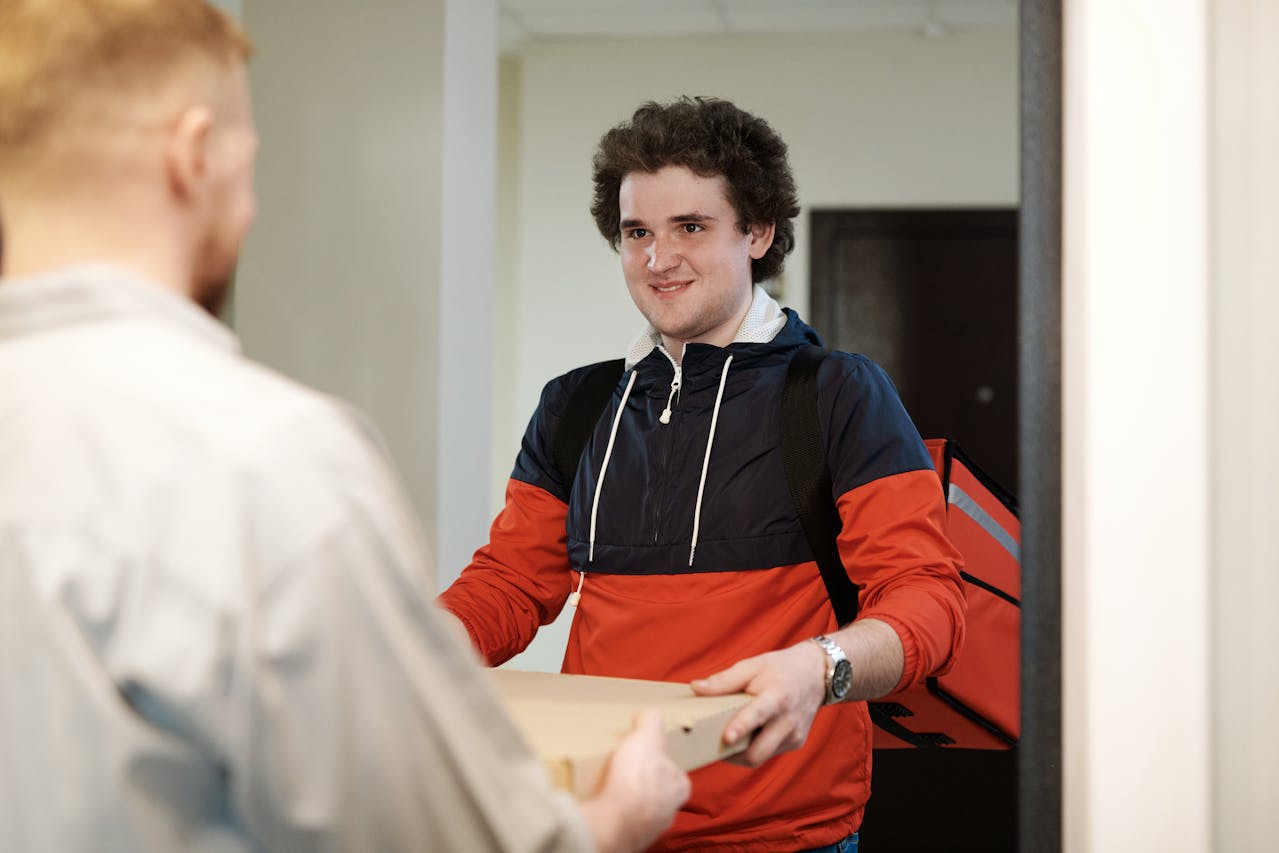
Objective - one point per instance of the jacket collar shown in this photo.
(764, 319)
(702, 362)
(93, 292)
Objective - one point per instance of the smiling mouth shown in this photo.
(669, 287)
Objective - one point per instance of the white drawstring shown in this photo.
(706, 462)
(666, 413)
(608, 453)
(575, 597)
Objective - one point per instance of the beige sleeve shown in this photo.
(361, 723)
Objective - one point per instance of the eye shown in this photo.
(637, 233)
(692, 227)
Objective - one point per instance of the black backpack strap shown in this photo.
(808, 477)
(585, 405)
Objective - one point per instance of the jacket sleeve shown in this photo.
(360, 723)
(893, 541)
(521, 578)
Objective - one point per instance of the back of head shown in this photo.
(710, 137)
(75, 70)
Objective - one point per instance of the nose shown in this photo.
(661, 257)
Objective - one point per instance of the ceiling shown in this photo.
(521, 22)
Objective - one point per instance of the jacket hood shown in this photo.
(767, 337)
(766, 322)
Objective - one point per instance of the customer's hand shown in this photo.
(788, 685)
(640, 793)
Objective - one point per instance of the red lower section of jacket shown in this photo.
(677, 628)
(681, 627)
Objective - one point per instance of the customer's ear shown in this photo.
(186, 151)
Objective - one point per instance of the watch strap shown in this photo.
(834, 657)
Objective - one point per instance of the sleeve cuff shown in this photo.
(910, 650)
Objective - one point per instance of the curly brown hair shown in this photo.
(709, 137)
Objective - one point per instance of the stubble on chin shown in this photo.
(214, 276)
(214, 281)
(212, 295)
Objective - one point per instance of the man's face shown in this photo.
(231, 203)
(687, 262)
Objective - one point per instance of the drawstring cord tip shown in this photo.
(575, 597)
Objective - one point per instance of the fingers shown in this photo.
(774, 721)
(648, 727)
(771, 728)
(774, 739)
(641, 790)
(650, 733)
(788, 689)
(783, 734)
(735, 679)
(756, 714)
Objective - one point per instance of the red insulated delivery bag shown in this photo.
(977, 704)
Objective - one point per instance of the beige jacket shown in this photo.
(216, 629)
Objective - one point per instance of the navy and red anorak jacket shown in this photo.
(686, 576)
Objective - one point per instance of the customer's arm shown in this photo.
(354, 720)
(640, 793)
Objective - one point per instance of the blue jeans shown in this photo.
(847, 845)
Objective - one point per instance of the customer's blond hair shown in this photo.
(65, 64)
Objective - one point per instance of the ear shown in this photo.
(761, 235)
(186, 151)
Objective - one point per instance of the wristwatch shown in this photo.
(839, 672)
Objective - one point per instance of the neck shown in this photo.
(722, 336)
(41, 237)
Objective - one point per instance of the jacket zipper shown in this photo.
(665, 420)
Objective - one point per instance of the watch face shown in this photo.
(841, 679)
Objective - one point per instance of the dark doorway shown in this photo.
(931, 295)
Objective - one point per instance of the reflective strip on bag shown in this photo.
(964, 503)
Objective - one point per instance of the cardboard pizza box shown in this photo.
(574, 722)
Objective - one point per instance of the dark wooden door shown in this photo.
(932, 296)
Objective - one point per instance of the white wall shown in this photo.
(1170, 574)
(1136, 438)
(466, 316)
(1244, 270)
(340, 281)
(377, 150)
(878, 120)
(508, 414)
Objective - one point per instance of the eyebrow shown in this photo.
(674, 220)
